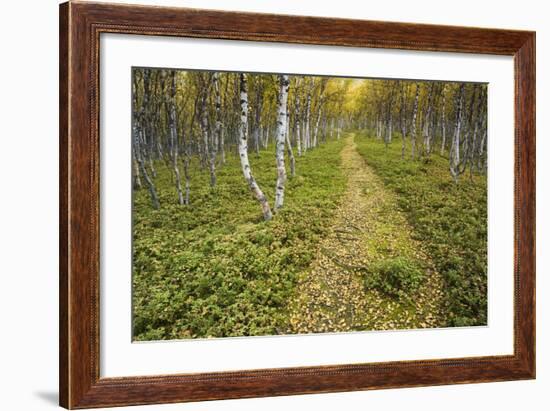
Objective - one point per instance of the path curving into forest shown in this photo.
(368, 226)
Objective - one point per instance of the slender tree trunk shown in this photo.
(480, 165)
(219, 125)
(297, 124)
(289, 147)
(402, 122)
(137, 178)
(185, 151)
(389, 129)
(141, 163)
(443, 124)
(266, 139)
(280, 143)
(147, 122)
(258, 115)
(210, 150)
(427, 118)
(187, 178)
(174, 136)
(307, 137)
(224, 126)
(454, 158)
(243, 151)
(473, 150)
(137, 149)
(413, 130)
(317, 122)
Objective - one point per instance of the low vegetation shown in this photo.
(449, 219)
(215, 268)
(397, 277)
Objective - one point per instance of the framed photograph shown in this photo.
(259, 205)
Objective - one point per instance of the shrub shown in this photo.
(397, 277)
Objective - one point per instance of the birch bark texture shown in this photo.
(413, 130)
(243, 151)
(137, 132)
(284, 85)
(218, 107)
(454, 157)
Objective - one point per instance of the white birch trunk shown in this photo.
(316, 132)
(150, 185)
(297, 124)
(280, 140)
(137, 150)
(443, 124)
(209, 149)
(454, 157)
(307, 136)
(426, 131)
(413, 127)
(289, 147)
(389, 129)
(243, 151)
(218, 126)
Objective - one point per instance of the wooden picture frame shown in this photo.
(80, 27)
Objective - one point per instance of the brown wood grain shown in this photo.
(80, 27)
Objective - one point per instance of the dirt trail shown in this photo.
(368, 226)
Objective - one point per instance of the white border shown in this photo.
(120, 357)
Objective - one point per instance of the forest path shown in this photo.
(368, 227)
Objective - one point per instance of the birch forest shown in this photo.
(269, 204)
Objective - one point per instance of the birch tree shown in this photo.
(243, 151)
(443, 121)
(307, 136)
(297, 116)
(289, 147)
(426, 122)
(402, 120)
(218, 109)
(135, 166)
(258, 114)
(209, 149)
(454, 157)
(281, 132)
(389, 116)
(320, 103)
(172, 121)
(137, 151)
(413, 125)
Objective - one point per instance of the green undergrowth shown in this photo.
(396, 277)
(449, 219)
(215, 268)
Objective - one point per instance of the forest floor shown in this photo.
(370, 237)
(366, 240)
